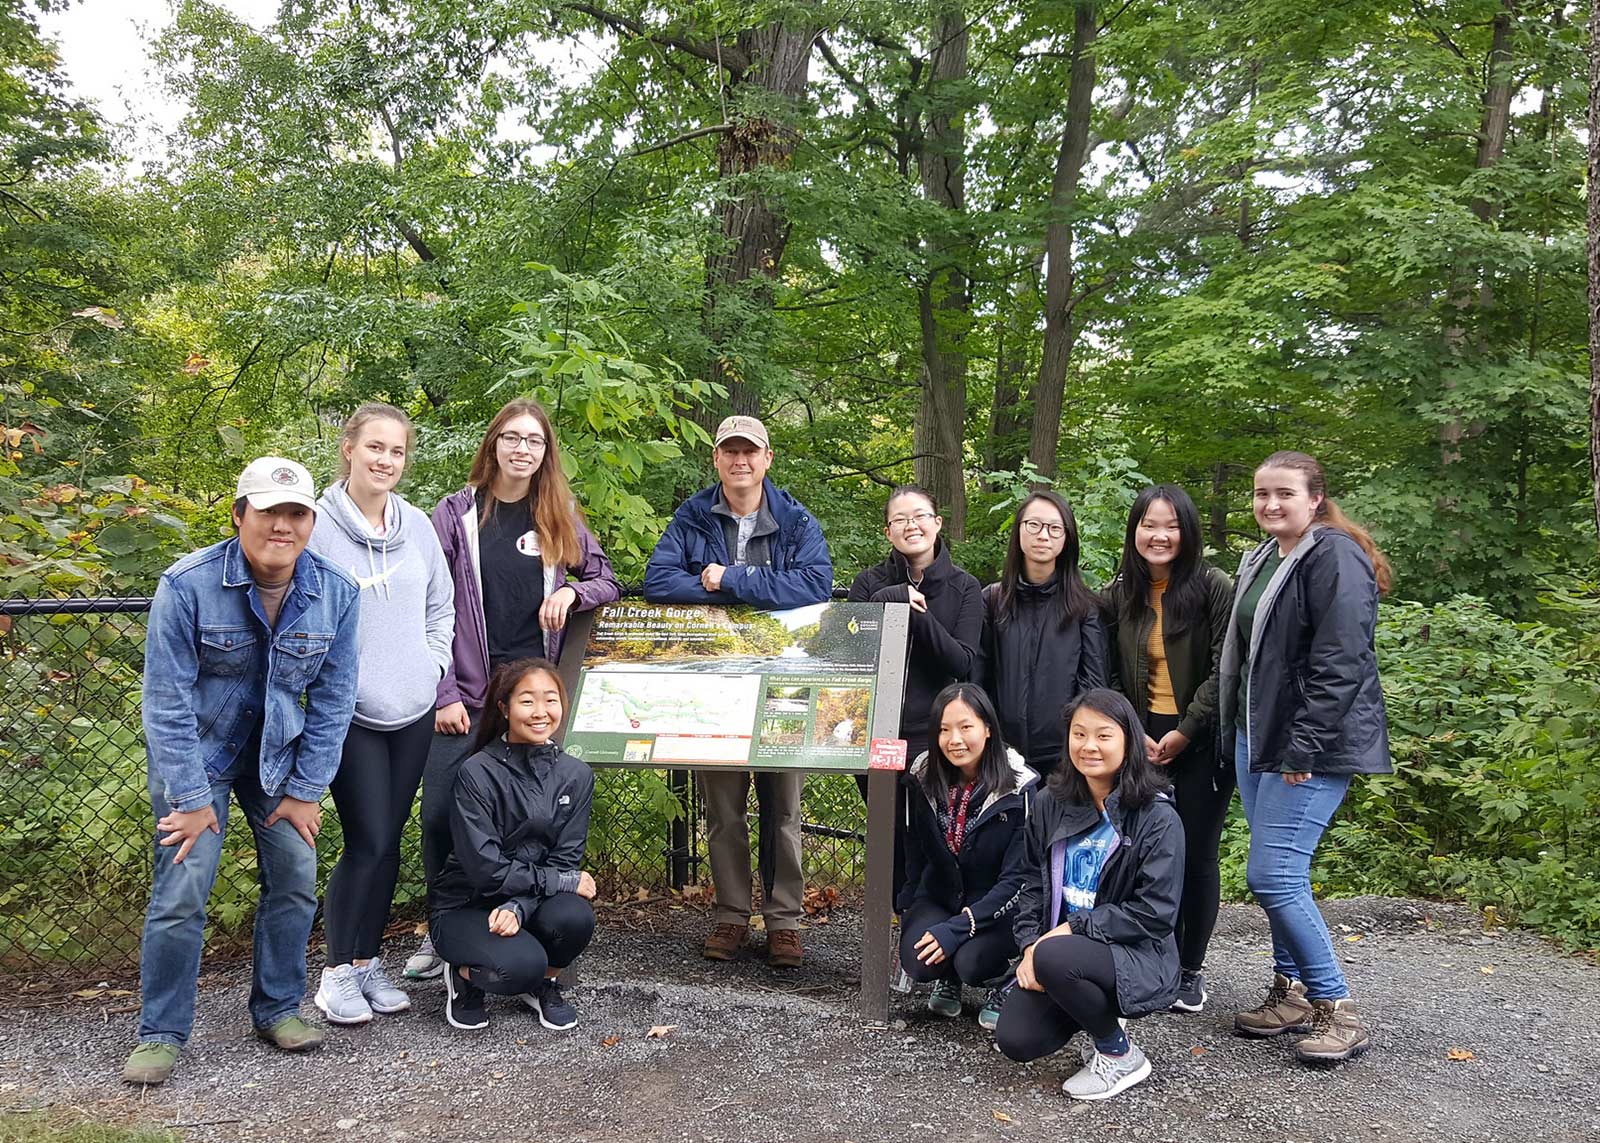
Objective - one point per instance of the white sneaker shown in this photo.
(1105, 1076)
(425, 964)
(339, 996)
(382, 995)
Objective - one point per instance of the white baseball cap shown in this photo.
(749, 428)
(268, 481)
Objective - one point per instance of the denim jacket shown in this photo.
(214, 675)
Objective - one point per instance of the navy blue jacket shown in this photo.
(801, 571)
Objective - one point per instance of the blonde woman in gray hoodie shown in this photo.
(407, 625)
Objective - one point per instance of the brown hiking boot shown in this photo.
(1337, 1033)
(783, 949)
(1285, 1009)
(725, 942)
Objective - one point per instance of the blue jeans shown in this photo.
(1286, 823)
(174, 925)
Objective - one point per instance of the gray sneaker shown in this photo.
(382, 995)
(425, 964)
(1105, 1076)
(339, 996)
(946, 998)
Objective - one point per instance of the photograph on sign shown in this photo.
(704, 685)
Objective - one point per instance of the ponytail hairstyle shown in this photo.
(1185, 598)
(372, 411)
(1330, 514)
(555, 516)
(994, 767)
(1074, 601)
(1137, 782)
(501, 687)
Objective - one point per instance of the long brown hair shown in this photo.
(372, 411)
(1330, 514)
(555, 516)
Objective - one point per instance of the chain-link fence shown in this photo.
(76, 833)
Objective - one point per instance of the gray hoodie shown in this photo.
(408, 614)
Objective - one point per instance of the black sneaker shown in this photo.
(463, 1002)
(555, 1011)
(1191, 992)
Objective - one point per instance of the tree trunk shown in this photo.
(944, 302)
(1594, 268)
(742, 267)
(1060, 328)
(1008, 425)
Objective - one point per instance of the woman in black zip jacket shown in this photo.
(1167, 612)
(1095, 921)
(965, 852)
(1043, 643)
(511, 907)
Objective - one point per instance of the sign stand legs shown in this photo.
(877, 938)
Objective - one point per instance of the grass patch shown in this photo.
(50, 1127)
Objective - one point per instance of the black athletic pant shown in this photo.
(1202, 792)
(445, 755)
(1080, 992)
(374, 788)
(979, 960)
(558, 931)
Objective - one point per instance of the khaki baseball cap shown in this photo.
(749, 428)
(269, 481)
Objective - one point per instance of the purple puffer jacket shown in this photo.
(455, 518)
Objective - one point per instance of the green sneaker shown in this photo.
(946, 998)
(150, 1064)
(989, 1014)
(293, 1034)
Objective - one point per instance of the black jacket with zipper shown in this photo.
(519, 818)
(1136, 902)
(1193, 654)
(1315, 701)
(1032, 667)
(988, 874)
(944, 639)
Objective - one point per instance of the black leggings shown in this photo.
(1202, 792)
(558, 931)
(1080, 992)
(373, 790)
(445, 756)
(979, 960)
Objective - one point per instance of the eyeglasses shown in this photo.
(1034, 527)
(511, 441)
(920, 519)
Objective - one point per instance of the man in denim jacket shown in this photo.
(239, 633)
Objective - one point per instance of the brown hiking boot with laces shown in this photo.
(725, 942)
(783, 949)
(1337, 1033)
(1285, 1009)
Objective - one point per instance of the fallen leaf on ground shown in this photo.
(1357, 937)
(1459, 1054)
(1002, 1117)
(1487, 970)
(611, 1041)
(659, 1031)
(1197, 1050)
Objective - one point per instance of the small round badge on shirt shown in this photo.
(528, 543)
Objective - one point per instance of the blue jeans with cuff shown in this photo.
(174, 925)
(1286, 823)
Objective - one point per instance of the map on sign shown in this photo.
(705, 685)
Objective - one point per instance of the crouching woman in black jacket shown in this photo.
(511, 907)
(966, 852)
(1096, 919)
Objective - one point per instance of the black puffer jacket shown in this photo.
(988, 874)
(944, 639)
(1136, 901)
(1315, 701)
(519, 819)
(1032, 667)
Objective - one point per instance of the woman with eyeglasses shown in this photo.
(1042, 643)
(523, 561)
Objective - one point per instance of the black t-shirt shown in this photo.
(513, 582)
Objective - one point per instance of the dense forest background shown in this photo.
(979, 245)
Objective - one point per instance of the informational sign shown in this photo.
(692, 685)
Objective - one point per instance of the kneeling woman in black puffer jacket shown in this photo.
(511, 907)
(966, 854)
(1096, 919)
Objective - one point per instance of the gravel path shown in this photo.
(761, 1055)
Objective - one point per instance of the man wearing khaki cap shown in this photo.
(744, 540)
(249, 687)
